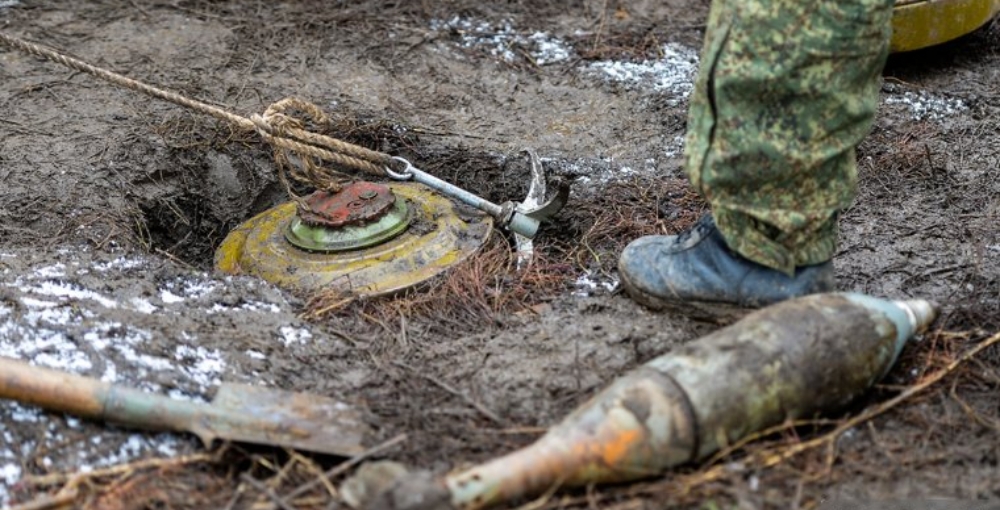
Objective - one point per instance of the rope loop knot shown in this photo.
(299, 153)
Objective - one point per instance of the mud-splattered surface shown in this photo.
(112, 204)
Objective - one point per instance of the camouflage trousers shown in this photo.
(786, 90)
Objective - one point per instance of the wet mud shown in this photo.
(112, 205)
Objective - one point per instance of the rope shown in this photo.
(276, 126)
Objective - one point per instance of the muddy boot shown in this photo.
(695, 273)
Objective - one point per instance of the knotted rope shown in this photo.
(285, 133)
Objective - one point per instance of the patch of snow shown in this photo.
(10, 471)
(23, 414)
(142, 305)
(255, 354)
(167, 446)
(119, 264)
(4, 4)
(34, 340)
(56, 270)
(672, 74)
(625, 171)
(100, 337)
(125, 340)
(924, 105)
(37, 303)
(72, 362)
(134, 446)
(247, 306)
(198, 288)
(110, 374)
(203, 366)
(675, 148)
(54, 322)
(548, 49)
(588, 284)
(601, 174)
(186, 288)
(290, 335)
(67, 291)
(146, 361)
(503, 42)
(169, 297)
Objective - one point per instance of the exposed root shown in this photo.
(142, 484)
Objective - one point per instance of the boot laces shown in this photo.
(703, 227)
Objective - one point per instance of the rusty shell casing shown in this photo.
(791, 360)
(638, 426)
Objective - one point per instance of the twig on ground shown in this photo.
(77, 478)
(71, 482)
(345, 337)
(764, 433)
(975, 416)
(264, 489)
(62, 499)
(533, 431)
(326, 308)
(316, 471)
(174, 258)
(543, 500)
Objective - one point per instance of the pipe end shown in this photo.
(920, 312)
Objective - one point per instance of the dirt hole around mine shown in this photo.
(198, 188)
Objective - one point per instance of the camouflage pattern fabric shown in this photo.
(786, 90)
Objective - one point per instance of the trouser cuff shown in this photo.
(768, 246)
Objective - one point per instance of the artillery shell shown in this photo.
(792, 360)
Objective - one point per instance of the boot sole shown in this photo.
(708, 311)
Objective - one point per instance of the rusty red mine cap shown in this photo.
(357, 203)
(359, 215)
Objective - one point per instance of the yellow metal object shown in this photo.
(436, 239)
(918, 24)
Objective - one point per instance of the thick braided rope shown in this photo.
(282, 130)
(275, 126)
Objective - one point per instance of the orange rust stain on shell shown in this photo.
(618, 448)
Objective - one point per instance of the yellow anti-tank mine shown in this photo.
(369, 239)
(918, 24)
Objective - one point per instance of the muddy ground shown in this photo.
(113, 203)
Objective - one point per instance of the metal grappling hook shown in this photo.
(521, 218)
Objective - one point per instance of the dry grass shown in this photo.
(483, 290)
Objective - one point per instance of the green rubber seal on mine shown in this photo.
(349, 237)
